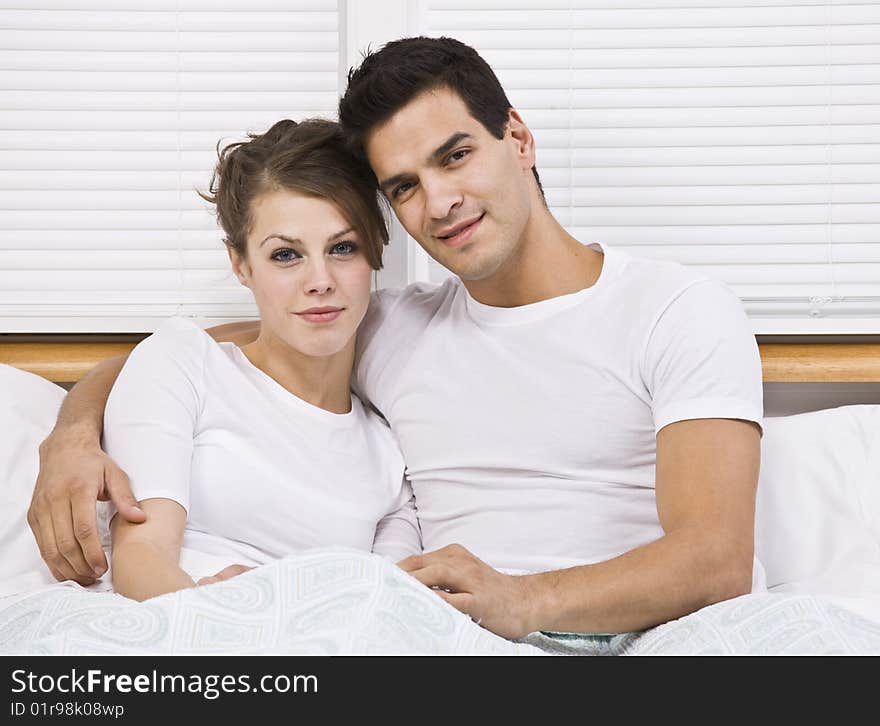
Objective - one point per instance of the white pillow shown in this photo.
(817, 526)
(28, 407)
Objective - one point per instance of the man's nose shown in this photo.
(442, 197)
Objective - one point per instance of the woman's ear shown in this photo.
(239, 266)
(522, 136)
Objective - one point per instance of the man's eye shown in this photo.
(344, 248)
(401, 189)
(458, 155)
(284, 255)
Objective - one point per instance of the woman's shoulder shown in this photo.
(178, 334)
(168, 365)
(178, 344)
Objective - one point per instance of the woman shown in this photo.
(209, 433)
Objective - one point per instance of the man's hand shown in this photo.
(500, 603)
(227, 573)
(74, 474)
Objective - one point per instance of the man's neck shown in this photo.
(549, 263)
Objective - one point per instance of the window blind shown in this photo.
(109, 118)
(739, 138)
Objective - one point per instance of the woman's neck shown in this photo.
(321, 381)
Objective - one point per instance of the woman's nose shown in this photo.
(319, 280)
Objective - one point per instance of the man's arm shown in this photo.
(706, 479)
(75, 473)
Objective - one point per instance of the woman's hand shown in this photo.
(227, 573)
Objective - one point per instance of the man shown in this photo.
(564, 410)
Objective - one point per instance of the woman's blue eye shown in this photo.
(284, 255)
(344, 248)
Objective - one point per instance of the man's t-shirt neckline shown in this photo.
(523, 314)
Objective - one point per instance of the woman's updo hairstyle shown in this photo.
(310, 158)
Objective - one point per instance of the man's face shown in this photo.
(462, 194)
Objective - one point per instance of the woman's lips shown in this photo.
(462, 235)
(320, 315)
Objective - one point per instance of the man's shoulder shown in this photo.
(396, 319)
(407, 306)
(425, 295)
(642, 286)
(659, 275)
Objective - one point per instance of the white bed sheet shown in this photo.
(333, 601)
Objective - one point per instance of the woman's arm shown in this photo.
(75, 472)
(398, 535)
(146, 556)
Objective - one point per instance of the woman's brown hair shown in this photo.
(309, 157)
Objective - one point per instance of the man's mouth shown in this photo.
(460, 233)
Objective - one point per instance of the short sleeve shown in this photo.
(398, 535)
(152, 411)
(701, 358)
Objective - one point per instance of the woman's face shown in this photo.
(307, 270)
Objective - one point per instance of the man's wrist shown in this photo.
(81, 435)
(533, 603)
(538, 596)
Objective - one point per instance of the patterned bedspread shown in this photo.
(335, 601)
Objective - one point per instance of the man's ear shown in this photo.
(239, 266)
(522, 137)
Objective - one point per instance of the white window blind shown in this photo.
(740, 138)
(110, 111)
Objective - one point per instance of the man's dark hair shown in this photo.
(390, 78)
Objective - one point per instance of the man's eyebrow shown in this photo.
(435, 157)
(392, 181)
(447, 146)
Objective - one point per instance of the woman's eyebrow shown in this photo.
(340, 234)
(283, 238)
(298, 241)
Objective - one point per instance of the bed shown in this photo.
(817, 534)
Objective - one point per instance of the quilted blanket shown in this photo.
(337, 601)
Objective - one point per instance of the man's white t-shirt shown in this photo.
(529, 433)
(260, 472)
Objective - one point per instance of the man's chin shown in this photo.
(455, 259)
(473, 269)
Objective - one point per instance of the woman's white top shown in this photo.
(260, 472)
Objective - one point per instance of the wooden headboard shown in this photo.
(820, 362)
(63, 358)
(67, 358)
